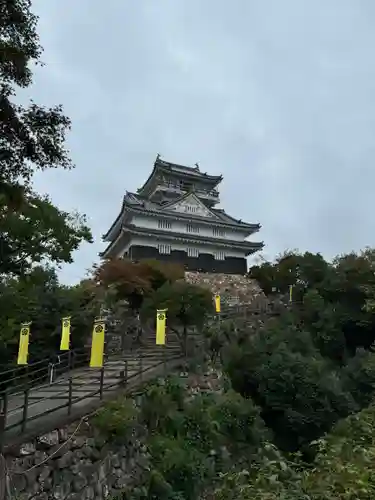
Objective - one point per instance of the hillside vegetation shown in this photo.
(292, 417)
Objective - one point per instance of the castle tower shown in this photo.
(173, 218)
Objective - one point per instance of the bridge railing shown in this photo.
(30, 403)
(33, 392)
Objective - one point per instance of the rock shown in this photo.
(27, 449)
(88, 493)
(105, 491)
(115, 461)
(63, 434)
(78, 442)
(74, 496)
(79, 482)
(31, 477)
(48, 440)
(87, 451)
(45, 472)
(87, 469)
(61, 491)
(47, 484)
(19, 482)
(121, 482)
(40, 496)
(39, 457)
(59, 450)
(64, 461)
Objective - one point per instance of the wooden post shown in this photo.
(3, 478)
(70, 396)
(140, 366)
(101, 382)
(3, 418)
(164, 359)
(25, 409)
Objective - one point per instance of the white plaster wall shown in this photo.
(180, 227)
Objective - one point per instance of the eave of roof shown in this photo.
(130, 228)
(190, 217)
(250, 246)
(232, 223)
(191, 172)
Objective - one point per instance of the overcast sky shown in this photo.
(278, 96)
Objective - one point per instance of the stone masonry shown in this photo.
(77, 463)
(71, 464)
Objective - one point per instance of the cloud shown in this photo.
(276, 96)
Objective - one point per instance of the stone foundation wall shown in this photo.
(62, 465)
(233, 288)
(77, 463)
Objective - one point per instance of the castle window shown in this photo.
(164, 248)
(220, 233)
(193, 252)
(219, 255)
(190, 228)
(191, 209)
(164, 224)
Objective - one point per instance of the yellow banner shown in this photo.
(23, 348)
(290, 293)
(65, 334)
(97, 344)
(161, 317)
(217, 303)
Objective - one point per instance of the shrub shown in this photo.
(117, 419)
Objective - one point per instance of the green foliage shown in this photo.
(300, 395)
(32, 229)
(187, 433)
(41, 299)
(188, 305)
(360, 373)
(39, 231)
(117, 419)
(134, 282)
(343, 469)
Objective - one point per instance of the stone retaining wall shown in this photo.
(233, 288)
(77, 463)
(62, 465)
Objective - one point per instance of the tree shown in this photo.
(41, 299)
(132, 282)
(31, 138)
(303, 271)
(300, 394)
(187, 306)
(38, 231)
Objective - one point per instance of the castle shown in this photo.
(173, 218)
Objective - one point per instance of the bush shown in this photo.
(360, 377)
(117, 419)
(299, 393)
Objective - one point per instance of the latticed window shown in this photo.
(190, 228)
(193, 252)
(219, 255)
(164, 248)
(191, 208)
(164, 224)
(220, 233)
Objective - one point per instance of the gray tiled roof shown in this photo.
(248, 246)
(143, 204)
(181, 169)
